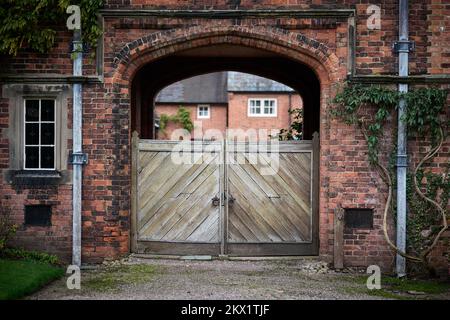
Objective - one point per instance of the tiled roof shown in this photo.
(207, 88)
(238, 81)
(214, 87)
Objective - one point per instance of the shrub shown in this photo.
(14, 253)
(7, 228)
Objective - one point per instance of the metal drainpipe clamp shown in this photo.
(402, 161)
(403, 46)
(78, 158)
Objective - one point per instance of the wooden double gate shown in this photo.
(213, 198)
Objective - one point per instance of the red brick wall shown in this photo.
(237, 114)
(373, 48)
(217, 120)
(55, 239)
(438, 31)
(238, 111)
(346, 178)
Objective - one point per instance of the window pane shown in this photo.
(47, 110)
(47, 157)
(32, 110)
(31, 133)
(32, 157)
(47, 133)
(203, 111)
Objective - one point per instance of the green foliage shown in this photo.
(295, 130)
(19, 278)
(350, 100)
(17, 253)
(423, 113)
(7, 228)
(111, 278)
(402, 288)
(32, 24)
(182, 117)
(423, 215)
(423, 119)
(348, 105)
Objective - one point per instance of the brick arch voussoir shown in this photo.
(296, 46)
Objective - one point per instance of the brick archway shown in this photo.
(295, 46)
(290, 46)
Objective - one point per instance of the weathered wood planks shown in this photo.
(263, 204)
(273, 207)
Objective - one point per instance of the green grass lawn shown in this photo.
(405, 289)
(19, 278)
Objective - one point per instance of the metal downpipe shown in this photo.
(402, 160)
(77, 150)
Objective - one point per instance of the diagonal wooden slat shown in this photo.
(279, 203)
(285, 180)
(187, 182)
(244, 228)
(255, 210)
(194, 215)
(262, 204)
(158, 228)
(174, 200)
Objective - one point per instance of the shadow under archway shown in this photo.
(153, 77)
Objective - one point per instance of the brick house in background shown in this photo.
(255, 102)
(205, 97)
(232, 100)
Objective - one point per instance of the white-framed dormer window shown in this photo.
(39, 134)
(203, 111)
(262, 107)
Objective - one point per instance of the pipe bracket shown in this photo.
(78, 158)
(78, 46)
(404, 46)
(402, 161)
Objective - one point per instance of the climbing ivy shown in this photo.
(423, 113)
(427, 192)
(424, 220)
(33, 24)
(183, 117)
(295, 130)
(349, 102)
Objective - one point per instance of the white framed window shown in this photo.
(39, 134)
(203, 111)
(262, 107)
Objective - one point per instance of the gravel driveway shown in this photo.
(138, 278)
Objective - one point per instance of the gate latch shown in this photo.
(215, 201)
(231, 199)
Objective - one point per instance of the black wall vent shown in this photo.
(358, 218)
(38, 215)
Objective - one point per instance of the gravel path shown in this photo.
(187, 279)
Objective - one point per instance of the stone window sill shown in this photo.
(35, 177)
